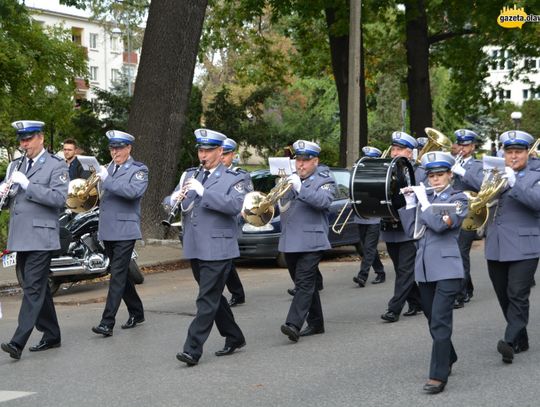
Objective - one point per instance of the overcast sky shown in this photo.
(55, 5)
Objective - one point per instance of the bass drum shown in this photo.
(375, 186)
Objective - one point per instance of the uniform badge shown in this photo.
(521, 174)
(512, 135)
(301, 144)
(64, 177)
(312, 178)
(325, 186)
(239, 187)
(139, 175)
(42, 159)
(444, 196)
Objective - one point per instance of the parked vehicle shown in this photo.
(81, 256)
(262, 242)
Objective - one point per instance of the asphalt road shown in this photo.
(359, 361)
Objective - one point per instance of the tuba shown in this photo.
(436, 142)
(83, 194)
(258, 208)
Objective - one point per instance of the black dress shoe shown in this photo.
(467, 298)
(459, 304)
(187, 358)
(291, 332)
(506, 350)
(312, 330)
(44, 345)
(235, 301)
(292, 291)
(12, 349)
(359, 281)
(132, 322)
(412, 311)
(102, 330)
(434, 388)
(228, 349)
(390, 316)
(381, 278)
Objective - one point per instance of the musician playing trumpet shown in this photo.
(438, 265)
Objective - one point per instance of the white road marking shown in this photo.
(12, 395)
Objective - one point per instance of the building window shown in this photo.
(507, 94)
(115, 75)
(115, 43)
(525, 94)
(509, 64)
(93, 73)
(93, 41)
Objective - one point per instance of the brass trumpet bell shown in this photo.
(437, 141)
(255, 211)
(476, 217)
(82, 195)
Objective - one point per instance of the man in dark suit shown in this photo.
(39, 191)
(76, 170)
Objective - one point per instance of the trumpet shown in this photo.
(174, 210)
(9, 183)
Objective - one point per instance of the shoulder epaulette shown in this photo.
(235, 172)
(56, 157)
(138, 164)
(240, 170)
(324, 173)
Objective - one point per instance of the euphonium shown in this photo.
(83, 194)
(258, 208)
(436, 142)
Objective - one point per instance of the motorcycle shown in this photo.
(81, 256)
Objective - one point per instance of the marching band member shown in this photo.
(234, 285)
(513, 242)
(38, 193)
(400, 246)
(369, 229)
(304, 237)
(438, 265)
(211, 203)
(465, 140)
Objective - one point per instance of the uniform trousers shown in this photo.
(403, 255)
(465, 241)
(212, 307)
(234, 285)
(306, 303)
(438, 304)
(512, 281)
(120, 285)
(369, 236)
(37, 307)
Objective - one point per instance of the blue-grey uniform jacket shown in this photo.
(534, 163)
(33, 223)
(437, 256)
(304, 215)
(210, 223)
(469, 182)
(120, 202)
(513, 228)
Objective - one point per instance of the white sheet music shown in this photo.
(281, 165)
(88, 162)
(493, 163)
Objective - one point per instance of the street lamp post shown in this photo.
(51, 92)
(516, 118)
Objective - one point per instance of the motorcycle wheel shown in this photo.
(135, 273)
(53, 285)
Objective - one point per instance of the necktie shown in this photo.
(115, 169)
(206, 175)
(30, 162)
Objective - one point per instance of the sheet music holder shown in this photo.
(89, 162)
(491, 163)
(281, 165)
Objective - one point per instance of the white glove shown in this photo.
(410, 198)
(295, 181)
(510, 175)
(194, 185)
(175, 196)
(103, 173)
(421, 195)
(19, 178)
(3, 189)
(458, 169)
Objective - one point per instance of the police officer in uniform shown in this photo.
(466, 140)
(438, 265)
(513, 242)
(304, 237)
(211, 203)
(123, 183)
(38, 194)
(234, 285)
(401, 247)
(369, 229)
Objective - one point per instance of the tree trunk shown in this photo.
(339, 49)
(161, 97)
(417, 45)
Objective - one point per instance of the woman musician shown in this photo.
(438, 265)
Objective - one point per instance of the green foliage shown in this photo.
(4, 223)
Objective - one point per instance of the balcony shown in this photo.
(131, 58)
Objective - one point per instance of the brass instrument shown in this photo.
(534, 147)
(436, 142)
(386, 152)
(174, 210)
(479, 203)
(258, 208)
(83, 194)
(9, 183)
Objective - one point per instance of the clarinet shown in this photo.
(174, 210)
(9, 184)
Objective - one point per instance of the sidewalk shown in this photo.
(152, 253)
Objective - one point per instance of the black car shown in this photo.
(262, 242)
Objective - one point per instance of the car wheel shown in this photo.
(280, 260)
(135, 273)
(53, 285)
